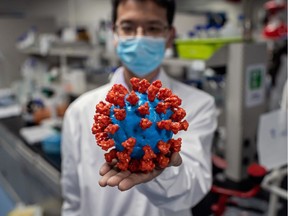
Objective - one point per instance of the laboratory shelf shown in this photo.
(85, 50)
(218, 59)
(80, 50)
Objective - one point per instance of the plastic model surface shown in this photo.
(137, 127)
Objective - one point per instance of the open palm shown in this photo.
(125, 180)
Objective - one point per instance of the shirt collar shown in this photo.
(118, 78)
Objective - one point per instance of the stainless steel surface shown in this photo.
(9, 189)
(242, 120)
(271, 183)
(233, 111)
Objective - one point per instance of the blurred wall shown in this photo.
(72, 12)
(10, 58)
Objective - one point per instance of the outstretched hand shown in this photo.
(125, 180)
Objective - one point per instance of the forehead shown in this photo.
(140, 11)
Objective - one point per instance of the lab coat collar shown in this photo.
(118, 78)
(164, 78)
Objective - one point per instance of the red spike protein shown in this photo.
(137, 127)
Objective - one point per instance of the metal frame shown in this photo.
(272, 183)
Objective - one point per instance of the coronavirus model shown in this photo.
(137, 127)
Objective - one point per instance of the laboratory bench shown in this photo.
(14, 124)
(27, 173)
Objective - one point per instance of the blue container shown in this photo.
(52, 144)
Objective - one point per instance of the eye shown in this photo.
(154, 29)
(127, 29)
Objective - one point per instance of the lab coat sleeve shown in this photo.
(178, 188)
(70, 155)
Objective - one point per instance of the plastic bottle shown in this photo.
(195, 73)
(200, 31)
(109, 46)
(212, 31)
(102, 33)
(29, 85)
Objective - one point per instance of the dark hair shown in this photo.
(169, 5)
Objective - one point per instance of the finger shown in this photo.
(106, 167)
(137, 178)
(176, 159)
(115, 180)
(104, 179)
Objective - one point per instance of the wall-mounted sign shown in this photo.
(255, 85)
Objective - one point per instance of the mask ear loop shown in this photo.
(115, 36)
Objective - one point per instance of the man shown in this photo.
(143, 30)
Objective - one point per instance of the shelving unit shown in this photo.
(85, 50)
(80, 50)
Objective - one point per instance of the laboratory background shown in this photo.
(53, 51)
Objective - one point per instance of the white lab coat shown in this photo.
(174, 192)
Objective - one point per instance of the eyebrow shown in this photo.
(150, 22)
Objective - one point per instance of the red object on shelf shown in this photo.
(255, 170)
(273, 31)
(276, 27)
(273, 6)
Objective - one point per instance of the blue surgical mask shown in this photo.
(141, 55)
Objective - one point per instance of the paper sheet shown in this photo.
(36, 134)
(8, 105)
(9, 111)
(272, 139)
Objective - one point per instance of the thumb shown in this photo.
(176, 159)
